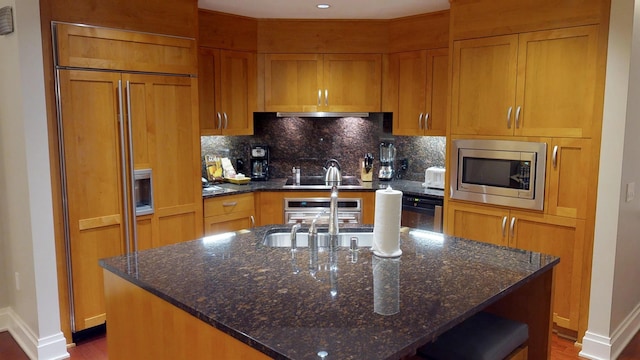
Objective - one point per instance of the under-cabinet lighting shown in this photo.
(323, 6)
(428, 235)
(219, 238)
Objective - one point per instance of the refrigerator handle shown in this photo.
(132, 206)
(123, 168)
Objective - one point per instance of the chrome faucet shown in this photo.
(313, 244)
(294, 237)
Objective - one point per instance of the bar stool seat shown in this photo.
(483, 336)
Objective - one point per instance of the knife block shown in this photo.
(364, 174)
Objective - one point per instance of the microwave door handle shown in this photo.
(504, 225)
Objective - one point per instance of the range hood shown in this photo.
(321, 114)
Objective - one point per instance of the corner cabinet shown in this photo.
(531, 84)
(228, 91)
(316, 82)
(419, 90)
(555, 235)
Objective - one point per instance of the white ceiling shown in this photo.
(340, 9)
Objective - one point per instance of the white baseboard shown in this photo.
(52, 347)
(598, 347)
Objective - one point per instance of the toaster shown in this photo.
(434, 178)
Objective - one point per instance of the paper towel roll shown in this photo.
(386, 286)
(386, 225)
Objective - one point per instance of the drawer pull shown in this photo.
(233, 203)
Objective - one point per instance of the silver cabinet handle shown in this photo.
(123, 169)
(253, 222)
(426, 121)
(511, 226)
(326, 97)
(420, 120)
(504, 225)
(319, 97)
(134, 224)
(226, 120)
(509, 117)
(554, 157)
(233, 203)
(219, 121)
(518, 117)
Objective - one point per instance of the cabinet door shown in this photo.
(238, 91)
(208, 72)
(93, 166)
(352, 82)
(569, 172)
(481, 223)
(484, 85)
(557, 82)
(293, 82)
(409, 70)
(214, 226)
(437, 91)
(563, 237)
(170, 105)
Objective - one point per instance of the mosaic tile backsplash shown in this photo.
(309, 142)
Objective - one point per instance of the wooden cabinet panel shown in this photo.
(569, 169)
(483, 89)
(563, 237)
(292, 82)
(559, 236)
(481, 223)
(227, 91)
(420, 81)
(534, 84)
(330, 82)
(229, 213)
(557, 82)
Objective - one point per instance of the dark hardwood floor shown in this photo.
(96, 349)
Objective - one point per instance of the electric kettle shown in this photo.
(332, 172)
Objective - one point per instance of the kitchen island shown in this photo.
(230, 296)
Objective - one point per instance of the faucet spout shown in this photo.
(333, 211)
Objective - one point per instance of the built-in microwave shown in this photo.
(501, 172)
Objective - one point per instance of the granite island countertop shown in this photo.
(267, 298)
(406, 186)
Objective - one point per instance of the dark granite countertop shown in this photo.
(267, 298)
(406, 186)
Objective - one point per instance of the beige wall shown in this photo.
(614, 314)
(26, 220)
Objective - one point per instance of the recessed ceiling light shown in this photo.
(323, 6)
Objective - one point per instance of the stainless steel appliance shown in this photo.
(259, 162)
(387, 161)
(434, 178)
(509, 173)
(143, 191)
(304, 210)
(422, 212)
(320, 182)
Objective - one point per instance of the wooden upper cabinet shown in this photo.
(293, 82)
(483, 88)
(330, 82)
(532, 84)
(557, 77)
(420, 86)
(227, 82)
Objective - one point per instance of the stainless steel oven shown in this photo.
(422, 212)
(304, 210)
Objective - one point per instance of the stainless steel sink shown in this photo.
(283, 239)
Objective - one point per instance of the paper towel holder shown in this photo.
(6, 20)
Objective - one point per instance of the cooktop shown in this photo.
(320, 183)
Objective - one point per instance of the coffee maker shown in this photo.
(259, 162)
(387, 160)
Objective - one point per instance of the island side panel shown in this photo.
(141, 325)
(531, 304)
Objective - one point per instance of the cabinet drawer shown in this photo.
(228, 204)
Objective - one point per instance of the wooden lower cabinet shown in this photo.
(555, 235)
(228, 213)
(270, 204)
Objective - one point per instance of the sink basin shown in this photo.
(283, 238)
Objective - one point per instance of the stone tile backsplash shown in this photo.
(310, 142)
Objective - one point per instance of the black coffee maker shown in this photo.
(259, 162)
